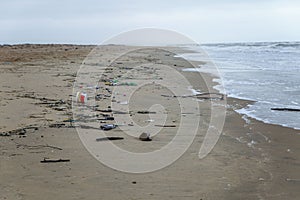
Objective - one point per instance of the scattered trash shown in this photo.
(62, 108)
(124, 102)
(109, 138)
(81, 97)
(98, 97)
(108, 90)
(145, 137)
(252, 143)
(46, 160)
(22, 132)
(128, 84)
(4, 134)
(107, 127)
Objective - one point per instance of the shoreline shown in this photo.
(250, 161)
(218, 83)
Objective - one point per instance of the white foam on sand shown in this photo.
(204, 69)
(194, 92)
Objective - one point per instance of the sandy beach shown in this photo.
(251, 160)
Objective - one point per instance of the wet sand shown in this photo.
(251, 160)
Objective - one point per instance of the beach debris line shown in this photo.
(57, 125)
(109, 138)
(19, 131)
(47, 160)
(286, 109)
(145, 137)
(205, 96)
(55, 104)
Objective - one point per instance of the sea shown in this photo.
(265, 72)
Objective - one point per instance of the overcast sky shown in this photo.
(92, 21)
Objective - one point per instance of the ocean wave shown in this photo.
(287, 44)
(259, 72)
(254, 44)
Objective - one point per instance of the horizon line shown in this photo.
(94, 44)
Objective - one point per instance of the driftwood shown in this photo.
(108, 110)
(207, 95)
(145, 112)
(173, 96)
(166, 126)
(109, 138)
(46, 160)
(57, 125)
(108, 118)
(286, 109)
(119, 112)
(61, 125)
(38, 146)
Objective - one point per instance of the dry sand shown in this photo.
(250, 161)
